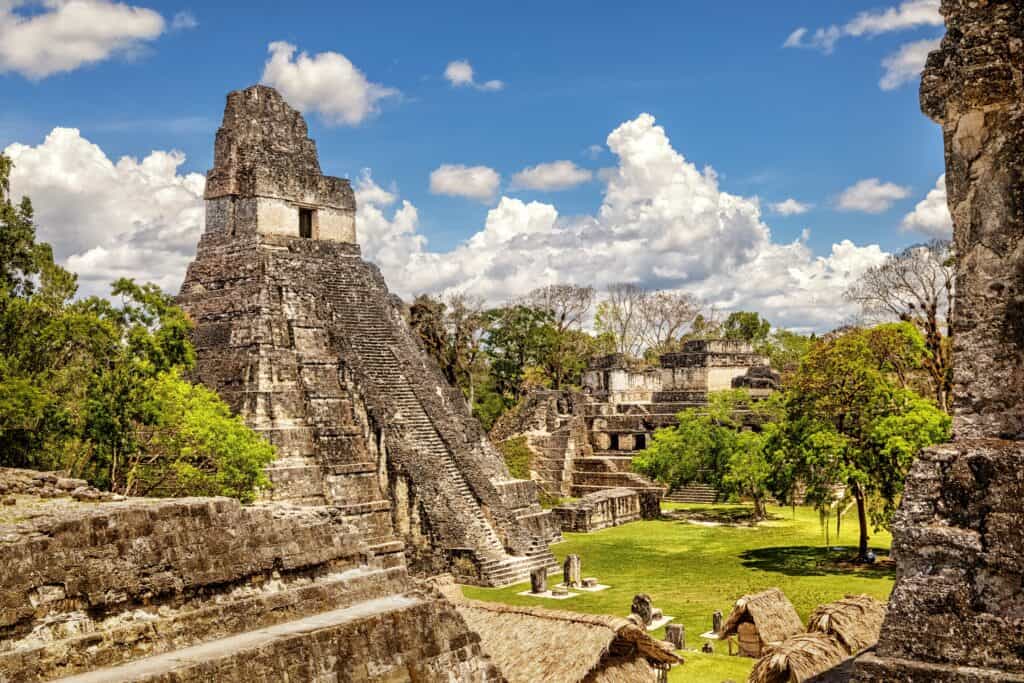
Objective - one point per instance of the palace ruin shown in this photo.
(584, 442)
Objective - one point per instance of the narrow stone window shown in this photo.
(306, 223)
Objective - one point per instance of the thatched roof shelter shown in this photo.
(855, 621)
(530, 644)
(800, 658)
(762, 620)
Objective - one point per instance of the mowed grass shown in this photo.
(690, 570)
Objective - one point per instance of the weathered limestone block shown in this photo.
(973, 87)
(107, 556)
(957, 611)
(676, 634)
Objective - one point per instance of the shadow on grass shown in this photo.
(732, 516)
(805, 560)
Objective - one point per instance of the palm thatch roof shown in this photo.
(855, 621)
(770, 611)
(800, 658)
(530, 644)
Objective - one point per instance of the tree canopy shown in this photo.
(96, 388)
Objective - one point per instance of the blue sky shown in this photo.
(805, 122)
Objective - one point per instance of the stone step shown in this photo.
(189, 663)
(210, 622)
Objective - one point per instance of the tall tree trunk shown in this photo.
(862, 520)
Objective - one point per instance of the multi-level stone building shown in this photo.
(584, 442)
(302, 338)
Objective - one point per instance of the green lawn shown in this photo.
(690, 570)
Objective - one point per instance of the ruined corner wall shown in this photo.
(957, 611)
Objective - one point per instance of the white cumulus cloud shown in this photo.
(460, 74)
(900, 67)
(327, 83)
(56, 36)
(662, 223)
(456, 180)
(909, 14)
(552, 176)
(907, 63)
(872, 196)
(790, 207)
(108, 219)
(931, 215)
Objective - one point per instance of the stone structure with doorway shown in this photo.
(302, 338)
(584, 442)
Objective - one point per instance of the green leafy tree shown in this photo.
(516, 338)
(79, 378)
(851, 424)
(785, 349)
(746, 326)
(711, 445)
(192, 445)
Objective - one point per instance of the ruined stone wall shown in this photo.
(85, 586)
(957, 610)
(600, 510)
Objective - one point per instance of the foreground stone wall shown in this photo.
(957, 611)
(91, 586)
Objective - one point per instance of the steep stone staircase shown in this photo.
(694, 493)
(362, 319)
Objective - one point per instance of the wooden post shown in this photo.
(716, 622)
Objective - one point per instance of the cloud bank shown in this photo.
(108, 219)
(662, 223)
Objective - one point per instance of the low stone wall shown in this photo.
(208, 589)
(111, 556)
(401, 638)
(600, 510)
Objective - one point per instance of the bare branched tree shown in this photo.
(621, 314)
(568, 305)
(667, 315)
(465, 323)
(916, 286)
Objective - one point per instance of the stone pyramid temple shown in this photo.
(301, 337)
